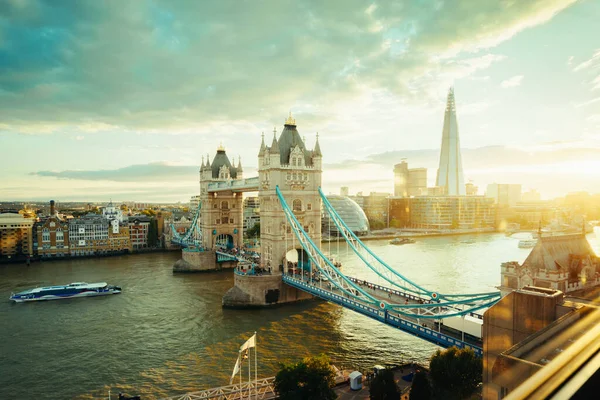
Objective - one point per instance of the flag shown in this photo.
(249, 343)
(236, 369)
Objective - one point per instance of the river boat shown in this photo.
(75, 289)
(400, 241)
(527, 243)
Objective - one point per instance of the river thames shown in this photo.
(167, 334)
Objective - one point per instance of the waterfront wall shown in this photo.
(200, 261)
(261, 291)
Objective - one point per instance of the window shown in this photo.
(309, 206)
(215, 205)
(218, 221)
(297, 205)
(224, 205)
(231, 221)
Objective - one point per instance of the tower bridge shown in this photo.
(292, 266)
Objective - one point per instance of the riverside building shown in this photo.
(16, 237)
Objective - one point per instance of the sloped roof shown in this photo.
(220, 160)
(289, 139)
(552, 252)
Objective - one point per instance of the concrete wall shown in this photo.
(251, 290)
(199, 261)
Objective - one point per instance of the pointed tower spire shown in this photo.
(239, 166)
(317, 150)
(207, 160)
(450, 172)
(274, 145)
(202, 165)
(262, 145)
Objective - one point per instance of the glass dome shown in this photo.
(350, 212)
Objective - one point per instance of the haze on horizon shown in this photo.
(121, 100)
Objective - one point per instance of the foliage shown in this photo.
(149, 212)
(124, 207)
(420, 388)
(310, 379)
(454, 373)
(153, 233)
(376, 224)
(383, 386)
(394, 223)
(254, 231)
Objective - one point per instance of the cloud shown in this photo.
(512, 82)
(594, 61)
(179, 66)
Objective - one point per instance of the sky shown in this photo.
(122, 99)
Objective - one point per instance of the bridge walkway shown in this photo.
(427, 329)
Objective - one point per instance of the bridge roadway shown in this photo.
(424, 328)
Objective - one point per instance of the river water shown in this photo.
(167, 334)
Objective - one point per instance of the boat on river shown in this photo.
(399, 241)
(72, 290)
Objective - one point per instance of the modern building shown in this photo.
(16, 237)
(351, 214)
(531, 196)
(504, 195)
(344, 191)
(531, 215)
(450, 172)
(194, 203)
(409, 182)
(375, 206)
(471, 189)
(442, 212)
(119, 240)
(88, 235)
(564, 262)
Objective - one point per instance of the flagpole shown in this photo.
(241, 363)
(255, 367)
(249, 376)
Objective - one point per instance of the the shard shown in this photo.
(450, 173)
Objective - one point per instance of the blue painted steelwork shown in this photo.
(223, 257)
(192, 237)
(391, 275)
(380, 315)
(425, 310)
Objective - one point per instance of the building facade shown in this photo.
(409, 182)
(139, 227)
(443, 212)
(110, 212)
(251, 212)
(350, 212)
(504, 195)
(88, 235)
(289, 165)
(119, 240)
(52, 237)
(16, 237)
(450, 172)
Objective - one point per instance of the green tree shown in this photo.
(454, 373)
(394, 223)
(254, 231)
(149, 212)
(376, 224)
(310, 379)
(420, 388)
(383, 386)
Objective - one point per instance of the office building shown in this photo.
(344, 191)
(16, 237)
(88, 235)
(139, 226)
(450, 172)
(504, 195)
(409, 182)
(350, 212)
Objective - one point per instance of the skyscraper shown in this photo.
(450, 173)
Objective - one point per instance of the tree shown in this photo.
(420, 388)
(376, 224)
(153, 233)
(311, 379)
(455, 374)
(254, 231)
(383, 386)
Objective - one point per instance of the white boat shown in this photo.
(527, 243)
(75, 289)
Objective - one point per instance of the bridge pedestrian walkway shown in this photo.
(424, 328)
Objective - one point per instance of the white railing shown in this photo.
(260, 389)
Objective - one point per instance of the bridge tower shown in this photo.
(287, 163)
(221, 213)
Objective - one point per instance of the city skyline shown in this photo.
(127, 114)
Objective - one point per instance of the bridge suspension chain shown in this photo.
(386, 272)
